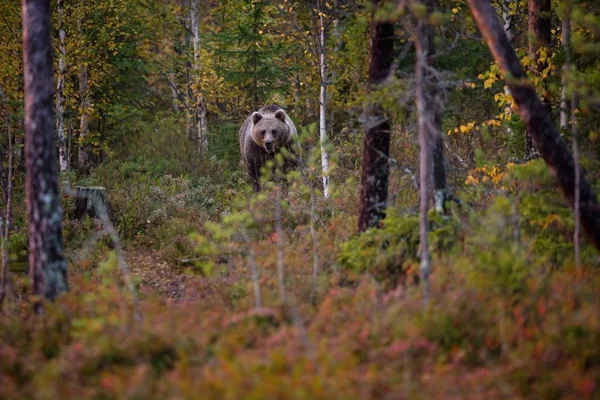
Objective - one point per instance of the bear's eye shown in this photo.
(263, 133)
(274, 132)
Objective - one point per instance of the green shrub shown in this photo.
(387, 253)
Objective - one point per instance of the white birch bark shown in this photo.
(60, 90)
(322, 105)
(199, 106)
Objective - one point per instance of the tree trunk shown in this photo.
(564, 102)
(509, 28)
(375, 172)
(507, 19)
(83, 154)
(60, 90)
(322, 104)
(566, 39)
(540, 36)
(440, 191)
(199, 104)
(6, 225)
(433, 112)
(538, 121)
(427, 125)
(47, 264)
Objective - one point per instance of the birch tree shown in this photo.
(322, 101)
(538, 121)
(63, 155)
(47, 264)
(375, 169)
(198, 99)
(508, 19)
(83, 152)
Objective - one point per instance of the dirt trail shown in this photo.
(157, 274)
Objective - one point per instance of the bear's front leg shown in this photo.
(253, 171)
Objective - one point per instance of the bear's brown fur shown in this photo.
(262, 136)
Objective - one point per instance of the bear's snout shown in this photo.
(269, 146)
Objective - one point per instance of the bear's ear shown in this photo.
(280, 115)
(256, 116)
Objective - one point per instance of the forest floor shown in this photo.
(157, 276)
(509, 314)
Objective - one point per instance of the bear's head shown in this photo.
(270, 131)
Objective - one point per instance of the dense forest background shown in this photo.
(190, 285)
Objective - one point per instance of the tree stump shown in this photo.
(90, 200)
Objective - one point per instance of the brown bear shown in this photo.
(262, 136)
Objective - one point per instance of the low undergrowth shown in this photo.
(510, 315)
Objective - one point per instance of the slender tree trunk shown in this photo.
(564, 101)
(538, 121)
(83, 154)
(6, 225)
(376, 168)
(540, 35)
(566, 39)
(427, 136)
(60, 90)
(322, 103)
(433, 112)
(509, 28)
(190, 125)
(440, 190)
(47, 264)
(199, 104)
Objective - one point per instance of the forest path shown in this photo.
(157, 275)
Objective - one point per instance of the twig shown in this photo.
(460, 160)
(394, 163)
